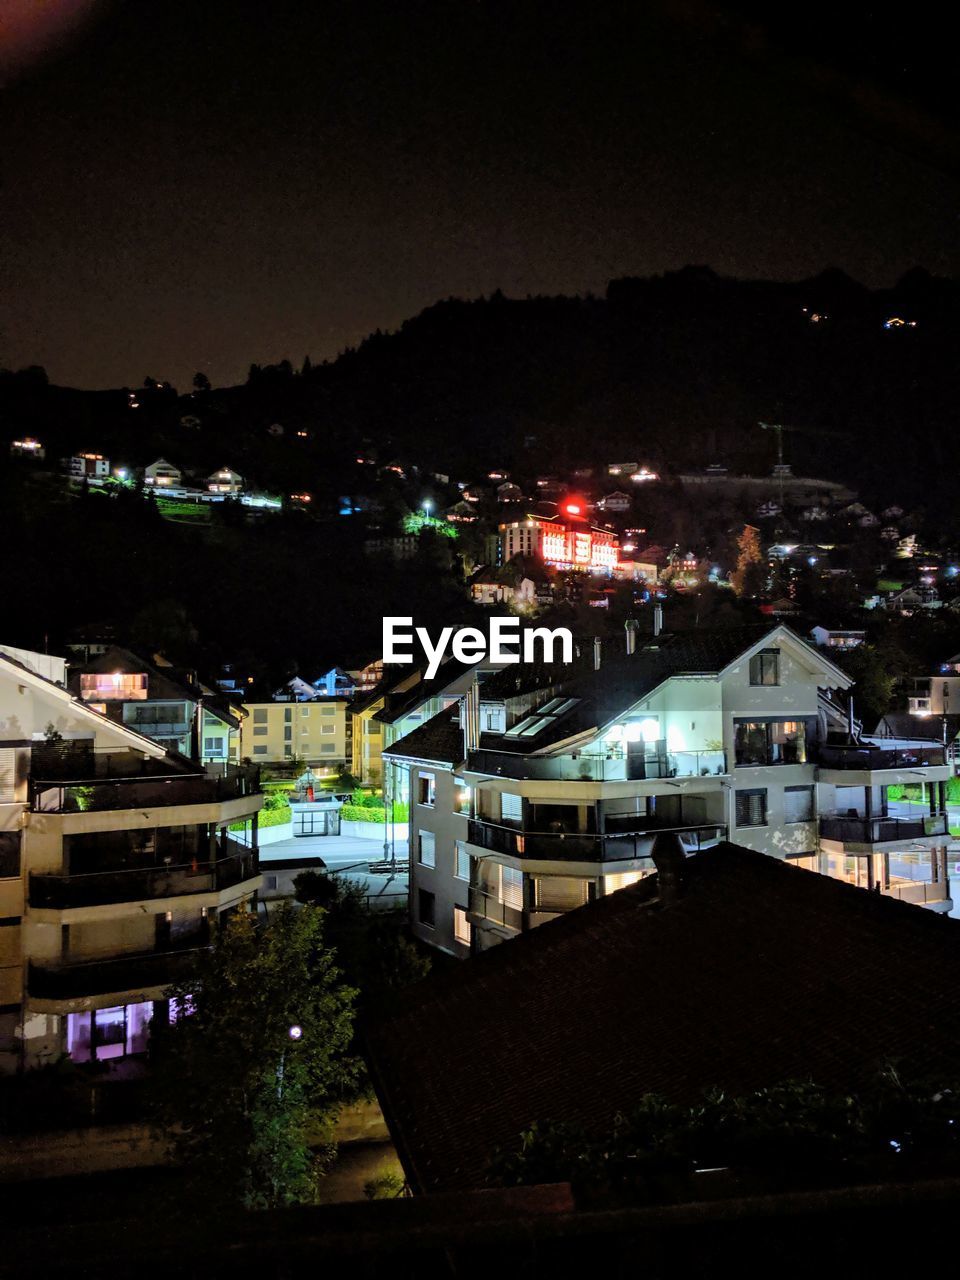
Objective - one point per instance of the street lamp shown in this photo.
(426, 506)
(295, 1033)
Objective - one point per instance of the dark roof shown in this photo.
(440, 738)
(758, 972)
(166, 681)
(900, 724)
(621, 680)
(398, 704)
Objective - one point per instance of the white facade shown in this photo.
(162, 475)
(741, 754)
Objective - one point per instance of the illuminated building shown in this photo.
(162, 475)
(547, 789)
(87, 466)
(566, 541)
(27, 448)
(117, 859)
(225, 481)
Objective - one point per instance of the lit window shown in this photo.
(511, 807)
(461, 926)
(463, 861)
(427, 849)
(511, 887)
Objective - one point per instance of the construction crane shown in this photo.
(780, 428)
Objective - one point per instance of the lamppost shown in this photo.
(295, 1034)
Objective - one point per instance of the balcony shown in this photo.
(90, 889)
(487, 906)
(120, 973)
(870, 756)
(85, 795)
(569, 846)
(852, 829)
(594, 767)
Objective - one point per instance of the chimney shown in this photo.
(597, 652)
(630, 627)
(657, 619)
(669, 858)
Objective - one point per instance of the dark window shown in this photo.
(798, 804)
(288, 733)
(287, 714)
(751, 808)
(9, 854)
(426, 789)
(770, 742)
(428, 908)
(765, 667)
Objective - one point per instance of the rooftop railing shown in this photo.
(61, 892)
(82, 795)
(595, 767)
(852, 829)
(70, 981)
(870, 756)
(574, 846)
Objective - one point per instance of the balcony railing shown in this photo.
(489, 907)
(857, 830)
(572, 846)
(83, 795)
(867, 756)
(119, 973)
(61, 892)
(921, 892)
(593, 767)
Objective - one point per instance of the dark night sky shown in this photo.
(198, 186)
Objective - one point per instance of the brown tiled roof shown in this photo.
(759, 972)
(440, 738)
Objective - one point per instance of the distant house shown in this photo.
(622, 468)
(162, 475)
(225, 481)
(166, 703)
(27, 448)
(335, 683)
(508, 584)
(616, 501)
(826, 638)
(87, 466)
(509, 492)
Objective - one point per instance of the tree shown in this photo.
(247, 1080)
(201, 382)
(372, 946)
(749, 577)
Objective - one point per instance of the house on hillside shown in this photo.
(162, 475)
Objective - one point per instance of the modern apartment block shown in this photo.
(316, 732)
(116, 864)
(547, 786)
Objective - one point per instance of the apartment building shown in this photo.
(547, 787)
(116, 863)
(317, 732)
(161, 701)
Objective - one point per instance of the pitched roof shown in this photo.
(758, 972)
(439, 739)
(622, 678)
